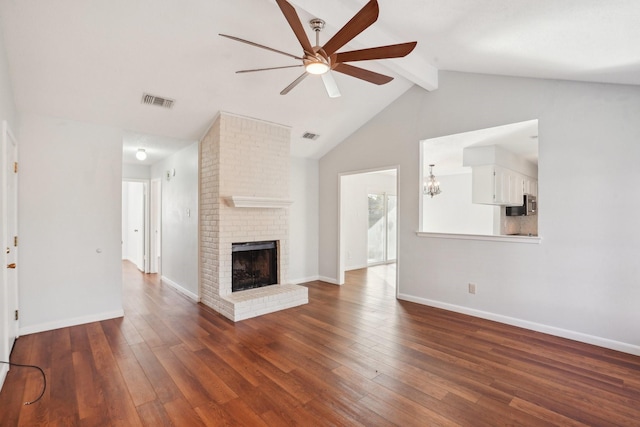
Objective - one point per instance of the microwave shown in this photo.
(529, 207)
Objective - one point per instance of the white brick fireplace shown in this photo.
(244, 197)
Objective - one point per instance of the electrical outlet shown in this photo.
(472, 288)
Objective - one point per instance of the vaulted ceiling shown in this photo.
(93, 60)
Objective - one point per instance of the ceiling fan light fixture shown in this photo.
(320, 59)
(316, 68)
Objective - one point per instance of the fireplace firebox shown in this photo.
(254, 265)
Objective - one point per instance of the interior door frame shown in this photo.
(341, 252)
(10, 288)
(145, 185)
(155, 226)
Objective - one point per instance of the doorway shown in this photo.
(135, 228)
(368, 220)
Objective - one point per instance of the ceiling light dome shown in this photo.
(316, 67)
(141, 154)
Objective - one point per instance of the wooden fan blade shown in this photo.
(287, 89)
(381, 52)
(330, 85)
(361, 73)
(259, 45)
(363, 19)
(270, 68)
(296, 25)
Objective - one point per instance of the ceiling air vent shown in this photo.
(311, 136)
(157, 100)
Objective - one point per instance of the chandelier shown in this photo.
(432, 186)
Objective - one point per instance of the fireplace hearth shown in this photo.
(254, 265)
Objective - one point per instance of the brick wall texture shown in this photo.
(240, 156)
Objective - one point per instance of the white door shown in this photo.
(155, 227)
(10, 235)
(137, 224)
(134, 247)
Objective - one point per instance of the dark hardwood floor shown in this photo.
(353, 356)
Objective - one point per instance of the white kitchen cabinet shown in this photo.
(531, 186)
(483, 185)
(520, 184)
(497, 185)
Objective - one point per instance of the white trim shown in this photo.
(539, 327)
(180, 289)
(341, 253)
(9, 328)
(359, 267)
(4, 370)
(421, 187)
(42, 327)
(304, 280)
(155, 238)
(330, 280)
(256, 202)
(534, 240)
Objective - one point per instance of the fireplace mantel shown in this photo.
(256, 202)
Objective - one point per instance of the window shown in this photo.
(381, 235)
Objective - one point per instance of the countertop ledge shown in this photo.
(532, 240)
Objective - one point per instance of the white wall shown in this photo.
(582, 280)
(70, 223)
(180, 219)
(452, 211)
(133, 171)
(303, 220)
(353, 193)
(8, 113)
(125, 220)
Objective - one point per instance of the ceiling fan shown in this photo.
(324, 59)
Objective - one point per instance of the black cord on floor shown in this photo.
(44, 378)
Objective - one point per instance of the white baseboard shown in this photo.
(304, 280)
(181, 289)
(65, 323)
(538, 327)
(329, 280)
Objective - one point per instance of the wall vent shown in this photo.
(157, 100)
(309, 135)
